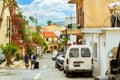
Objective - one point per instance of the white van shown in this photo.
(78, 58)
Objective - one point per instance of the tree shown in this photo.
(37, 39)
(33, 20)
(23, 22)
(9, 51)
(36, 22)
(69, 26)
(49, 22)
(38, 29)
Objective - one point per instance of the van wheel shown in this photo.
(90, 74)
(68, 74)
(64, 71)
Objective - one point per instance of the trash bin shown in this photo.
(36, 65)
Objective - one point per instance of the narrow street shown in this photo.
(47, 71)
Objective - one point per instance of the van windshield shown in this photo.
(85, 52)
(74, 52)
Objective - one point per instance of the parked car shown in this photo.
(55, 52)
(59, 61)
(2, 56)
(78, 58)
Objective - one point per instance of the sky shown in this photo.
(44, 10)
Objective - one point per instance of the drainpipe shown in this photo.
(99, 53)
(9, 31)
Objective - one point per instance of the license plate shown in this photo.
(76, 64)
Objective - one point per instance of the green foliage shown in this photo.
(18, 56)
(29, 49)
(33, 20)
(69, 26)
(38, 29)
(65, 40)
(23, 24)
(9, 51)
(49, 22)
(37, 39)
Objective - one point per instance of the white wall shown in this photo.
(89, 39)
(103, 56)
(70, 20)
(105, 41)
(112, 39)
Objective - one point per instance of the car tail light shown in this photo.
(92, 61)
(67, 61)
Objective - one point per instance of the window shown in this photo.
(94, 50)
(85, 52)
(46, 39)
(74, 52)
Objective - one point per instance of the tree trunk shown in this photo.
(8, 61)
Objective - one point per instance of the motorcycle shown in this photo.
(59, 62)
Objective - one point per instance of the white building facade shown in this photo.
(102, 40)
(71, 20)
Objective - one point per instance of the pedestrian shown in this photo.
(33, 60)
(26, 60)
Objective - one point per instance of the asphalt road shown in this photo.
(46, 71)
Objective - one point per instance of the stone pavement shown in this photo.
(16, 65)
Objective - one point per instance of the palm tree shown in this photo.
(9, 51)
(31, 19)
(36, 22)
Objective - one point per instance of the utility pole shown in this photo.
(66, 38)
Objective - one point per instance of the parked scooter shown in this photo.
(59, 62)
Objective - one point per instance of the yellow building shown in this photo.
(93, 13)
(4, 23)
(48, 32)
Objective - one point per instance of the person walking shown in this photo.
(26, 60)
(33, 60)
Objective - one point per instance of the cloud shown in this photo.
(43, 10)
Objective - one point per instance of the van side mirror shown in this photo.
(113, 66)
